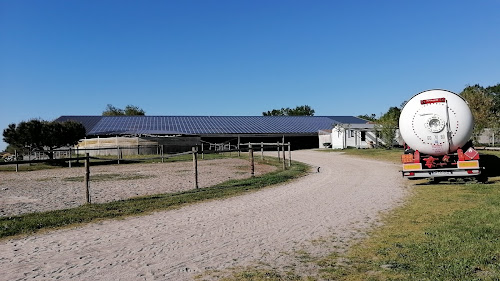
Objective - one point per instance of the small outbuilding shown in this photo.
(350, 135)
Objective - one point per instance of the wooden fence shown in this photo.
(250, 147)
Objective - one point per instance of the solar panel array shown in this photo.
(208, 125)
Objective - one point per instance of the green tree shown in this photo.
(387, 125)
(43, 135)
(482, 105)
(303, 110)
(371, 117)
(112, 111)
(495, 92)
(495, 123)
(130, 110)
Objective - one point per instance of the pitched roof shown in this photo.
(208, 125)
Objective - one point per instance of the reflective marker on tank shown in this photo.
(432, 101)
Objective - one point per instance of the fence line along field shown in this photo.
(61, 188)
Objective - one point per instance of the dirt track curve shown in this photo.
(267, 226)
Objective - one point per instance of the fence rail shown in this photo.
(75, 154)
(247, 147)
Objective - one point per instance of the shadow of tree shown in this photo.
(491, 164)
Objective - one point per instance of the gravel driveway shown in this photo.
(265, 227)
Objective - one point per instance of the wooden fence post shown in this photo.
(289, 155)
(252, 163)
(195, 166)
(202, 152)
(261, 150)
(284, 155)
(17, 164)
(118, 154)
(87, 178)
(162, 148)
(283, 159)
(239, 151)
(278, 146)
(69, 162)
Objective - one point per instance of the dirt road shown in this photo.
(267, 226)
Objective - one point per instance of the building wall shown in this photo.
(344, 138)
(488, 137)
(136, 145)
(325, 138)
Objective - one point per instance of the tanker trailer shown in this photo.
(436, 126)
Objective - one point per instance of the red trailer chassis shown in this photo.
(459, 164)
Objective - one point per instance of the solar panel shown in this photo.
(87, 121)
(348, 119)
(206, 125)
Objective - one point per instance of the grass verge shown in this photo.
(443, 232)
(33, 222)
(390, 155)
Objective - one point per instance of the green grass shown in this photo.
(443, 232)
(390, 155)
(490, 152)
(251, 274)
(27, 167)
(33, 222)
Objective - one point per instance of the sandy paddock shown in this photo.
(44, 190)
(272, 228)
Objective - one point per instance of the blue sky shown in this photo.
(238, 57)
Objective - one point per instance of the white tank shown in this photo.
(436, 122)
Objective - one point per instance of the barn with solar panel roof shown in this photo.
(177, 133)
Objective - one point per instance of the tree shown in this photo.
(495, 92)
(112, 111)
(303, 110)
(43, 135)
(130, 110)
(371, 117)
(483, 107)
(387, 124)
